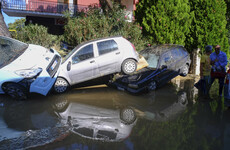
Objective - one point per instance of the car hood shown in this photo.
(143, 73)
(34, 56)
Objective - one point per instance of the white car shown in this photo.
(95, 59)
(26, 68)
(98, 123)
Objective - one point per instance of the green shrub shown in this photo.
(208, 25)
(94, 24)
(164, 21)
(37, 34)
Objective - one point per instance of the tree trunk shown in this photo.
(3, 28)
(110, 4)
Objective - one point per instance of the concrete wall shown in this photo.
(195, 64)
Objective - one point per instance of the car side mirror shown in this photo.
(163, 67)
(69, 66)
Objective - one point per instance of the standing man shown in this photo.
(205, 69)
(218, 62)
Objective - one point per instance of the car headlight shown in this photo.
(29, 73)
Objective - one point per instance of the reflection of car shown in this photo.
(165, 63)
(99, 123)
(94, 59)
(27, 121)
(26, 68)
(5, 131)
(165, 104)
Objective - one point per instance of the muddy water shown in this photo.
(172, 117)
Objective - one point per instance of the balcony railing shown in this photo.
(41, 6)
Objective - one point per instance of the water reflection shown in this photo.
(26, 124)
(98, 123)
(84, 117)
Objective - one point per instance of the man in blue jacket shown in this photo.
(218, 62)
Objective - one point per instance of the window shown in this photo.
(10, 50)
(107, 134)
(84, 131)
(183, 52)
(166, 59)
(106, 46)
(176, 54)
(152, 59)
(83, 54)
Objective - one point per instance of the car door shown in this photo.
(108, 57)
(177, 59)
(167, 68)
(84, 66)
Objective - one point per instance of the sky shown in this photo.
(9, 19)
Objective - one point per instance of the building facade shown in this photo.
(50, 12)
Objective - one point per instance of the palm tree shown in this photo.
(3, 28)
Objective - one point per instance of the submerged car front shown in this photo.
(32, 67)
(138, 81)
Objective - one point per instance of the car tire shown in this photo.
(182, 98)
(61, 85)
(15, 91)
(152, 86)
(129, 66)
(127, 115)
(184, 70)
(60, 105)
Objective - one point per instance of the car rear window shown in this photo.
(183, 52)
(10, 50)
(106, 46)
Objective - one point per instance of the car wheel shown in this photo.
(128, 115)
(129, 66)
(60, 104)
(182, 98)
(184, 70)
(152, 86)
(61, 85)
(15, 91)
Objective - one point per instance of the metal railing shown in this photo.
(41, 6)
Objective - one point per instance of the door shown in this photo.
(167, 67)
(109, 57)
(177, 59)
(84, 66)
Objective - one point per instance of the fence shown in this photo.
(41, 6)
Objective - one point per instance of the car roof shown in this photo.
(104, 38)
(160, 49)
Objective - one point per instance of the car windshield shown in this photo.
(70, 53)
(151, 58)
(10, 50)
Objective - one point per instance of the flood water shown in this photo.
(173, 117)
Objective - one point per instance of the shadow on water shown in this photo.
(99, 117)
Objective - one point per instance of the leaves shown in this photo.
(99, 25)
(37, 34)
(164, 21)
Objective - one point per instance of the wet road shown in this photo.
(173, 117)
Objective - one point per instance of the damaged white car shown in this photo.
(26, 68)
(94, 59)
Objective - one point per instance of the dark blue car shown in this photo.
(164, 63)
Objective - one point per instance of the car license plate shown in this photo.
(54, 64)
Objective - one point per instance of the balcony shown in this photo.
(38, 8)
